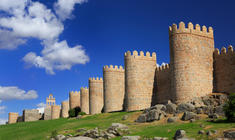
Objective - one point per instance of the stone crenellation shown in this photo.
(96, 101)
(196, 69)
(224, 67)
(114, 88)
(84, 100)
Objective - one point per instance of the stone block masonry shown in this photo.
(114, 88)
(224, 70)
(65, 109)
(47, 113)
(191, 61)
(96, 101)
(55, 112)
(85, 100)
(139, 80)
(12, 117)
(74, 99)
(31, 115)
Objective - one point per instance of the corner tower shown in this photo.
(139, 80)
(85, 100)
(114, 88)
(74, 99)
(191, 60)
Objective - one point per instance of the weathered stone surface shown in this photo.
(171, 108)
(179, 134)
(60, 137)
(84, 97)
(12, 117)
(185, 107)
(201, 132)
(142, 118)
(160, 138)
(47, 113)
(130, 138)
(79, 138)
(31, 115)
(159, 107)
(188, 115)
(172, 119)
(229, 134)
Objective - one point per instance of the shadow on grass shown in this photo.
(221, 121)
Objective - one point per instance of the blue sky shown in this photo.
(54, 46)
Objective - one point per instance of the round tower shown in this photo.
(65, 109)
(191, 59)
(114, 88)
(85, 100)
(74, 99)
(55, 112)
(139, 80)
(96, 101)
(12, 117)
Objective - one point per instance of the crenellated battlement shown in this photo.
(74, 92)
(84, 90)
(141, 55)
(224, 51)
(97, 79)
(191, 29)
(113, 68)
(163, 68)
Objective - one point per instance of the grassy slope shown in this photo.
(40, 130)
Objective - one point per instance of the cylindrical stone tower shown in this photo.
(139, 80)
(85, 100)
(55, 112)
(96, 101)
(191, 60)
(12, 117)
(74, 99)
(65, 109)
(114, 88)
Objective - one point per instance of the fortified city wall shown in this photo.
(84, 100)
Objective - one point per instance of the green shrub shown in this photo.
(229, 108)
(54, 134)
(74, 112)
(82, 113)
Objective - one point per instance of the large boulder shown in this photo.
(185, 107)
(219, 110)
(154, 115)
(171, 108)
(79, 138)
(229, 134)
(179, 134)
(188, 116)
(172, 119)
(159, 107)
(131, 138)
(142, 118)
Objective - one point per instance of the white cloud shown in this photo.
(29, 19)
(41, 107)
(64, 8)
(2, 109)
(163, 64)
(3, 121)
(13, 92)
(57, 55)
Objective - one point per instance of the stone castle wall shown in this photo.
(74, 99)
(31, 115)
(55, 112)
(139, 80)
(191, 60)
(85, 100)
(114, 88)
(224, 69)
(163, 84)
(96, 101)
(12, 117)
(65, 109)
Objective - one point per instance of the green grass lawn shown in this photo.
(41, 130)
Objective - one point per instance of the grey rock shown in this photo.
(171, 108)
(79, 117)
(179, 134)
(229, 134)
(142, 118)
(213, 116)
(219, 110)
(60, 137)
(185, 107)
(201, 132)
(125, 117)
(119, 126)
(192, 120)
(209, 133)
(79, 138)
(160, 138)
(153, 115)
(172, 119)
(188, 115)
(130, 138)
(186, 138)
(199, 110)
(159, 107)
